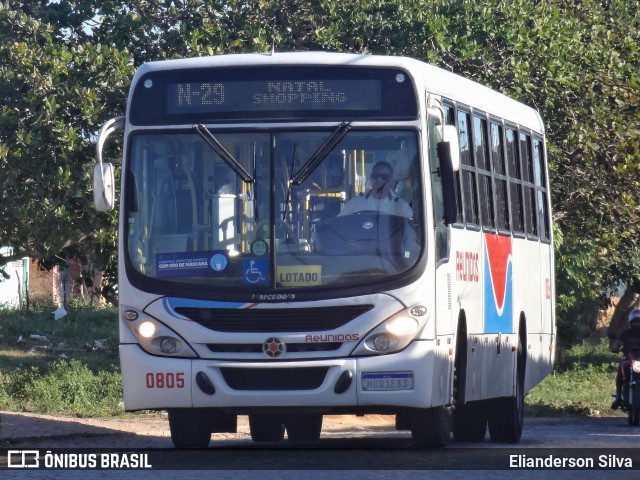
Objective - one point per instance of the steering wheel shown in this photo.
(259, 231)
(377, 213)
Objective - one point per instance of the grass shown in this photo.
(34, 338)
(583, 386)
(70, 366)
(64, 387)
(67, 366)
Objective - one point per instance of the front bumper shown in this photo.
(159, 383)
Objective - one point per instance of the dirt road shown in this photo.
(348, 447)
(151, 430)
(146, 430)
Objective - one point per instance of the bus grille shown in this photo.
(269, 320)
(257, 348)
(274, 378)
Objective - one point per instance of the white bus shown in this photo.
(304, 234)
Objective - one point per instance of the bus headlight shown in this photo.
(156, 338)
(147, 329)
(400, 326)
(394, 334)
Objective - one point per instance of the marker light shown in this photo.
(147, 329)
(381, 342)
(168, 345)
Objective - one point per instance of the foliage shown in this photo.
(66, 67)
(65, 387)
(579, 286)
(54, 92)
(66, 366)
(583, 386)
(35, 339)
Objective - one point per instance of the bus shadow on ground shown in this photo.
(23, 430)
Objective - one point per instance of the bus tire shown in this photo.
(470, 422)
(303, 427)
(266, 427)
(189, 429)
(431, 427)
(506, 414)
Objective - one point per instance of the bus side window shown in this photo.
(483, 162)
(528, 186)
(467, 169)
(451, 120)
(500, 178)
(441, 229)
(515, 181)
(541, 187)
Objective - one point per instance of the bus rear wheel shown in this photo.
(189, 428)
(470, 422)
(266, 427)
(506, 414)
(431, 427)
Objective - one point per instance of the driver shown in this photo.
(629, 343)
(381, 197)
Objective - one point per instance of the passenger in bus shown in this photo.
(380, 197)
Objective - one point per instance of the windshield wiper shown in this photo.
(213, 142)
(319, 155)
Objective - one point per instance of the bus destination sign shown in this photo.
(273, 95)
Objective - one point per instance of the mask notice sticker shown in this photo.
(192, 264)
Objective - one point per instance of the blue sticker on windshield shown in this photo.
(192, 264)
(256, 271)
(218, 262)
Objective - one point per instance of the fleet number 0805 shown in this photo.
(165, 380)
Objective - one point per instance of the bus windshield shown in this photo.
(252, 220)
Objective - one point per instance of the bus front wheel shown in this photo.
(431, 427)
(303, 427)
(266, 427)
(188, 428)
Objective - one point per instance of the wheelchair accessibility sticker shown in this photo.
(256, 271)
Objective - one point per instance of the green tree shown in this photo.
(54, 90)
(576, 61)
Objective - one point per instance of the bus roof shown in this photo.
(436, 80)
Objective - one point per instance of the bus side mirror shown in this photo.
(104, 195)
(447, 180)
(450, 136)
(104, 192)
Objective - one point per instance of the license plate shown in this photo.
(384, 382)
